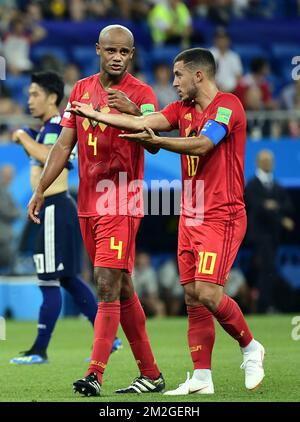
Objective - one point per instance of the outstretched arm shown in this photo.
(119, 100)
(157, 121)
(55, 164)
(196, 146)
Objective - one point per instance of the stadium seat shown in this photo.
(243, 259)
(90, 68)
(285, 73)
(3, 297)
(248, 52)
(276, 83)
(159, 259)
(83, 55)
(282, 55)
(86, 59)
(38, 52)
(288, 264)
(164, 54)
(285, 51)
(18, 87)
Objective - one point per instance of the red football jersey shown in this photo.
(108, 165)
(220, 174)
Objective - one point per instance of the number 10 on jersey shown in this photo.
(92, 142)
(193, 162)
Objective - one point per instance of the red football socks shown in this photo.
(105, 330)
(230, 317)
(201, 336)
(133, 322)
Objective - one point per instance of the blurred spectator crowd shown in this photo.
(220, 11)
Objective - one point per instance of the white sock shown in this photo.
(202, 375)
(252, 346)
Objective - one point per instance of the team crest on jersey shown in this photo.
(87, 122)
(94, 122)
(191, 132)
(105, 109)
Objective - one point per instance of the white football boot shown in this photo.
(192, 386)
(253, 366)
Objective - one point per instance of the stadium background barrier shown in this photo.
(16, 293)
(166, 166)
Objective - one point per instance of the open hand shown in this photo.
(34, 206)
(147, 136)
(15, 136)
(82, 109)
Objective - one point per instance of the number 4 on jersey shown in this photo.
(92, 142)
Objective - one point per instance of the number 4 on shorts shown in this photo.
(117, 247)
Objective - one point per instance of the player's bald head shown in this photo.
(111, 32)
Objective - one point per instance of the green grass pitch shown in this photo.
(72, 341)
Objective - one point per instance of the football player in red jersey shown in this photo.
(107, 167)
(212, 127)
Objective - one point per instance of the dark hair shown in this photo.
(257, 64)
(51, 82)
(198, 57)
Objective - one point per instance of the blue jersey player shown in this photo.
(57, 255)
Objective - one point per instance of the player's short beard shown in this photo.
(192, 93)
(120, 73)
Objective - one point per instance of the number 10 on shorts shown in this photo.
(117, 247)
(207, 261)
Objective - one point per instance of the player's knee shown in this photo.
(208, 302)
(127, 289)
(190, 295)
(108, 284)
(105, 289)
(126, 292)
(209, 296)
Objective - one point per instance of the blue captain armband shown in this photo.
(214, 131)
